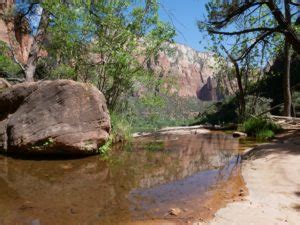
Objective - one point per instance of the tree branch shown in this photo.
(234, 13)
(294, 3)
(259, 38)
(15, 58)
(14, 79)
(275, 29)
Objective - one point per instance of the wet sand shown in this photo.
(272, 176)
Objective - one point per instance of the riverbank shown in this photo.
(272, 176)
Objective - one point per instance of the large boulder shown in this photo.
(59, 116)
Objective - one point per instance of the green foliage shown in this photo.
(121, 128)
(63, 71)
(7, 66)
(296, 100)
(265, 134)
(151, 113)
(121, 132)
(270, 86)
(220, 113)
(106, 43)
(104, 149)
(262, 128)
(256, 105)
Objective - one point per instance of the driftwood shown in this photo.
(287, 118)
(4, 83)
(269, 110)
(287, 123)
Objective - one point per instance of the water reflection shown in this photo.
(156, 174)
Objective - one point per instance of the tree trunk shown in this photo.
(287, 66)
(286, 80)
(241, 94)
(26, 56)
(238, 76)
(30, 70)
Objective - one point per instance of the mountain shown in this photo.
(193, 72)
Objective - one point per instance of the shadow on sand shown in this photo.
(287, 144)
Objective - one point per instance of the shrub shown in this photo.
(262, 128)
(104, 149)
(121, 132)
(265, 134)
(220, 113)
(256, 105)
(121, 128)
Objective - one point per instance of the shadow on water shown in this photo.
(144, 183)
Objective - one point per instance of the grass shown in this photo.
(121, 128)
(261, 128)
(104, 149)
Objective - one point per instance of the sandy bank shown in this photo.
(272, 176)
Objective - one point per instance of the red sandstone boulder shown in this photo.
(59, 116)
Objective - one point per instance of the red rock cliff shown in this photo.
(192, 71)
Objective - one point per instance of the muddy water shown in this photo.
(194, 173)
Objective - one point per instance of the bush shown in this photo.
(121, 132)
(7, 65)
(265, 134)
(256, 105)
(220, 113)
(261, 128)
(121, 128)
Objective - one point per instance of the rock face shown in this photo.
(3, 32)
(59, 116)
(192, 71)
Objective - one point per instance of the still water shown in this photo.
(136, 183)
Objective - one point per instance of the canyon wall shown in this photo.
(193, 72)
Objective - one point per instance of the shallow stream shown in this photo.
(189, 176)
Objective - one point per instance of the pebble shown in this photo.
(174, 211)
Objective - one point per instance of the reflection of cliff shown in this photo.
(90, 191)
(187, 155)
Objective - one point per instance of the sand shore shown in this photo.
(272, 176)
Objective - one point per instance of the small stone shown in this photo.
(174, 211)
(73, 211)
(35, 222)
(239, 134)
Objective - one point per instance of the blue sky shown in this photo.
(183, 14)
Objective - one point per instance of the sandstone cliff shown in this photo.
(192, 71)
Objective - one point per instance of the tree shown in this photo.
(106, 43)
(287, 65)
(278, 18)
(222, 15)
(24, 42)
